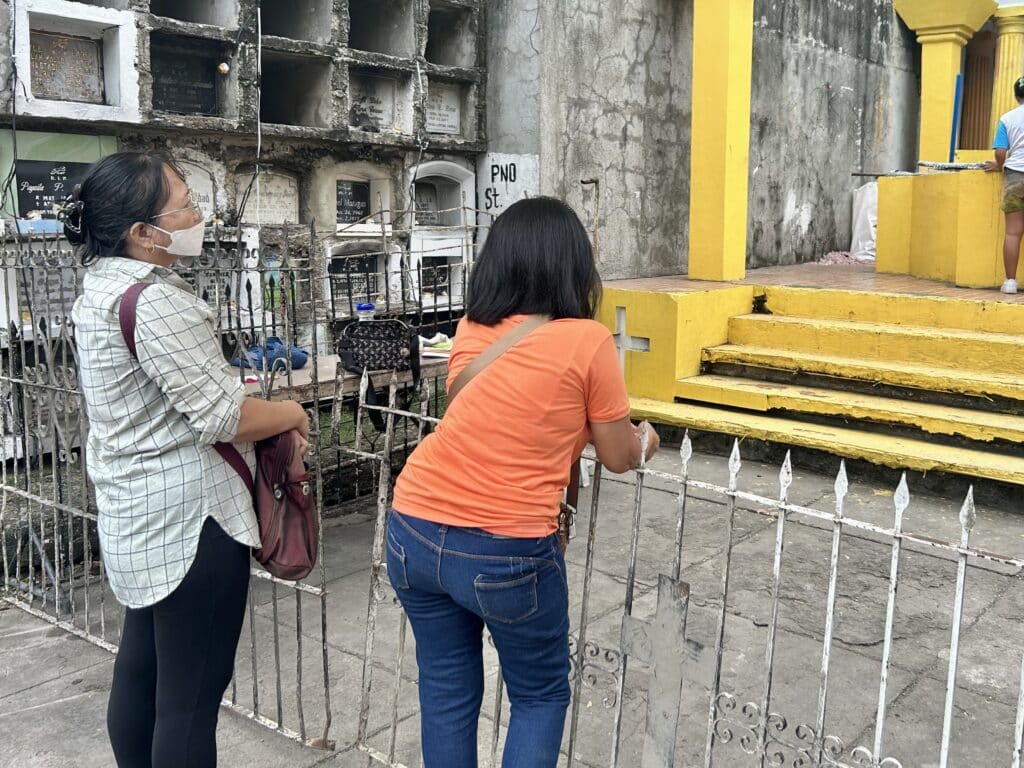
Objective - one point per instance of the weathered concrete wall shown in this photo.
(834, 92)
(615, 106)
(602, 90)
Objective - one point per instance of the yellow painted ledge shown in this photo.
(764, 396)
(968, 351)
(887, 450)
(935, 379)
(896, 309)
(943, 226)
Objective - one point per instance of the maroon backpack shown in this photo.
(289, 529)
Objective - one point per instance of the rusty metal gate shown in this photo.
(667, 668)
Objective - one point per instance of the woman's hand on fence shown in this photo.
(653, 441)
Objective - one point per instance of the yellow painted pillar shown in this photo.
(941, 57)
(1009, 61)
(943, 28)
(723, 41)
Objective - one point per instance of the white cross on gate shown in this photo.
(624, 341)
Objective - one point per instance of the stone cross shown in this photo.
(661, 644)
(626, 342)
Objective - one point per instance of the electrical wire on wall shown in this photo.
(254, 182)
(424, 143)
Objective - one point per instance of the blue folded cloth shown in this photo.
(277, 355)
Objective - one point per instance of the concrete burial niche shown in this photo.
(449, 109)
(438, 249)
(221, 13)
(380, 101)
(299, 19)
(451, 35)
(382, 26)
(355, 271)
(273, 203)
(185, 76)
(354, 195)
(296, 90)
(76, 60)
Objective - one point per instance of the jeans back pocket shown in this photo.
(395, 559)
(508, 601)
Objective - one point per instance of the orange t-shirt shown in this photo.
(500, 458)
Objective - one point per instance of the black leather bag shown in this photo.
(380, 345)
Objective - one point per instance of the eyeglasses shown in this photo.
(193, 205)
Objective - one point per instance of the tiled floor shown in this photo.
(857, 277)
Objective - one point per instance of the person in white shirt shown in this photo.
(1009, 149)
(175, 522)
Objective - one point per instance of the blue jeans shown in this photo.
(454, 581)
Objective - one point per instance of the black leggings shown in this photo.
(176, 659)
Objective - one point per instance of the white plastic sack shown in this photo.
(865, 222)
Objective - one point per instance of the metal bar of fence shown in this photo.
(1018, 725)
(581, 633)
(849, 522)
(685, 453)
(628, 602)
(901, 500)
(716, 684)
(324, 742)
(376, 564)
(785, 480)
(968, 516)
(841, 487)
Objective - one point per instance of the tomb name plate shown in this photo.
(353, 201)
(373, 102)
(426, 206)
(45, 184)
(278, 198)
(444, 109)
(184, 82)
(202, 183)
(66, 68)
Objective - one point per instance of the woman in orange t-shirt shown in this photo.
(472, 538)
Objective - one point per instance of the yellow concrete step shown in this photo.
(993, 315)
(966, 350)
(934, 378)
(764, 396)
(887, 450)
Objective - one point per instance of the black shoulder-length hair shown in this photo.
(537, 260)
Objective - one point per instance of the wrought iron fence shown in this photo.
(48, 541)
(668, 674)
(668, 666)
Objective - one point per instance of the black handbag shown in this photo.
(380, 345)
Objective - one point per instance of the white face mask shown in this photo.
(184, 242)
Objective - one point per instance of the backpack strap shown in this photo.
(126, 314)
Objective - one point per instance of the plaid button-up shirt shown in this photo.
(152, 426)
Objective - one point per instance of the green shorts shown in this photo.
(1013, 191)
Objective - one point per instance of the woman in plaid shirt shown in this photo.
(175, 521)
